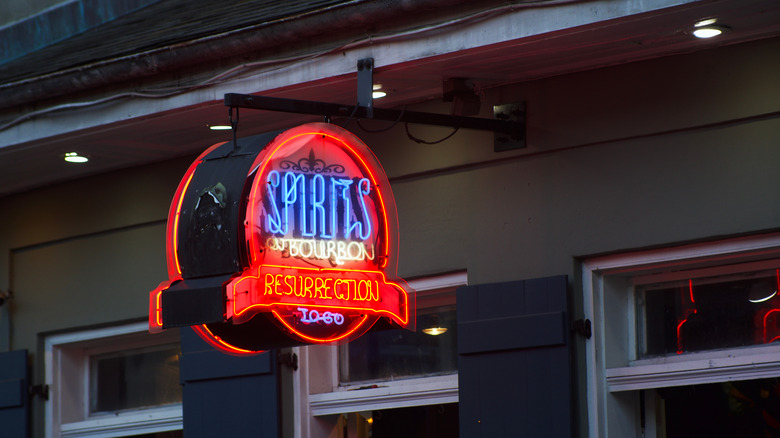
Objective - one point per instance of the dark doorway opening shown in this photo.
(749, 408)
(435, 421)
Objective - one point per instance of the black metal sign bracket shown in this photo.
(508, 124)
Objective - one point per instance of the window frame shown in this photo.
(69, 354)
(433, 297)
(322, 394)
(603, 277)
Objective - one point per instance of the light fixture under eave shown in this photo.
(706, 22)
(434, 331)
(220, 127)
(707, 32)
(377, 92)
(706, 29)
(75, 157)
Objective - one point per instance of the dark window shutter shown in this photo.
(226, 395)
(513, 359)
(14, 398)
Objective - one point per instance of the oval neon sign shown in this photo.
(319, 233)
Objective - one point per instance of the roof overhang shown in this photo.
(122, 127)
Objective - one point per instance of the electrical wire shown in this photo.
(421, 141)
(376, 131)
(352, 114)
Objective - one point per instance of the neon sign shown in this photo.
(319, 231)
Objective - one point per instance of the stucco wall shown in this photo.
(640, 155)
(83, 252)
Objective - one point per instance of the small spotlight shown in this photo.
(707, 32)
(378, 93)
(706, 22)
(434, 331)
(708, 28)
(74, 157)
(220, 127)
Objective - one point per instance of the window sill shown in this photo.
(696, 368)
(394, 394)
(126, 423)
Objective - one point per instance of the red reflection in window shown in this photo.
(759, 309)
(689, 308)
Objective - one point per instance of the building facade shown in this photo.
(614, 275)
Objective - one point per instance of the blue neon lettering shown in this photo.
(273, 220)
(345, 198)
(290, 196)
(310, 316)
(318, 196)
(339, 189)
(318, 206)
(363, 189)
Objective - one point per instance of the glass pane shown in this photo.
(134, 379)
(398, 353)
(710, 313)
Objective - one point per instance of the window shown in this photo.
(710, 312)
(113, 382)
(367, 387)
(684, 339)
(394, 354)
(134, 379)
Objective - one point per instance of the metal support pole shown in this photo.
(250, 101)
(365, 86)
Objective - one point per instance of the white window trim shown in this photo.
(133, 422)
(125, 423)
(697, 368)
(415, 391)
(421, 391)
(705, 367)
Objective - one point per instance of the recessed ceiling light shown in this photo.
(75, 157)
(706, 22)
(434, 331)
(378, 93)
(708, 28)
(707, 32)
(220, 127)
